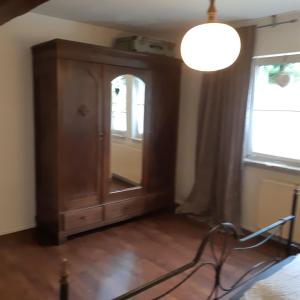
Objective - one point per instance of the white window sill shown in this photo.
(280, 167)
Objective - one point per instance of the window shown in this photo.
(274, 131)
(128, 104)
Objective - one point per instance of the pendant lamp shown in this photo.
(211, 46)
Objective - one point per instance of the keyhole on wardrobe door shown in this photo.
(101, 136)
(83, 110)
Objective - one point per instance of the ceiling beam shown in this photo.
(10, 9)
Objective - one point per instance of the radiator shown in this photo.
(274, 202)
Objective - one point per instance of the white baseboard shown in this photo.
(16, 229)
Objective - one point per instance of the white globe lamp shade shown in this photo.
(210, 47)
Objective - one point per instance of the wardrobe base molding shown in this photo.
(82, 220)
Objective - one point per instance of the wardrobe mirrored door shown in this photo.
(125, 97)
(126, 132)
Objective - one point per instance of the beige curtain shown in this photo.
(221, 122)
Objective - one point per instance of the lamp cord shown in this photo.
(212, 12)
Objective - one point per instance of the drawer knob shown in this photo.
(82, 218)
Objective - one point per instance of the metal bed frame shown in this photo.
(229, 233)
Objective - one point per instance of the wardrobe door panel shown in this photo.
(126, 134)
(80, 148)
(163, 124)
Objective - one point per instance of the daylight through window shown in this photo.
(275, 116)
(128, 101)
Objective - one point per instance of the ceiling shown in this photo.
(160, 14)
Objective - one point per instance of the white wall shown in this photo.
(126, 158)
(280, 39)
(17, 189)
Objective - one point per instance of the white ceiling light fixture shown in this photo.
(211, 46)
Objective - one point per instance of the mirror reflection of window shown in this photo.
(119, 105)
(138, 105)
(127, 132)
(128, 101)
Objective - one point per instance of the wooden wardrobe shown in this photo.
(72, 90)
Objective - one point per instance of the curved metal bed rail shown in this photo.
(218, 261)
(230, 241)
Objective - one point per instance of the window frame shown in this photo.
(250, 155)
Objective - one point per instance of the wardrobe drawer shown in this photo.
(125, 208)
(82, 217)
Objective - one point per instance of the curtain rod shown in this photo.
(275, 23)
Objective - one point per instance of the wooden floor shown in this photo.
(107, 263)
